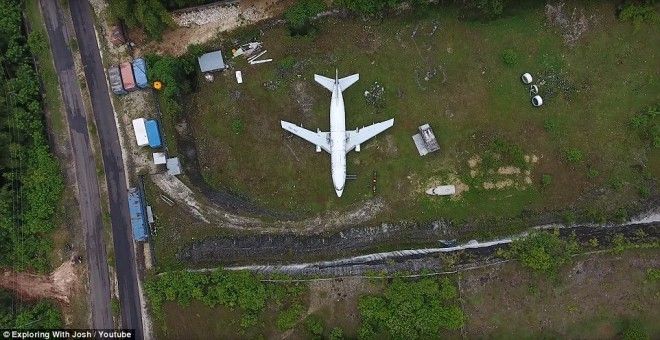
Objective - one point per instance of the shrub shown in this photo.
(288, 318)
(541, 251)
(299, 16)
(573, 156)
(647, 125)
(645, 192)
(634, 330)
(237, 126)
(653, 274)
(639, 14)
(592, 173)
(510, 57)
(490, 8)
(314, 325)
(409, 310)
(336, 334)
(619, 243)
(546, 180)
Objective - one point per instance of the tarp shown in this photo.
(140, 72)
(153, 134)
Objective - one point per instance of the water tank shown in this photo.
(537, 101)
(526, 78)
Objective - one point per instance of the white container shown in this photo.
(443, 190)
(526, 78)
(140, 130)
(537, 101)
(239, 77)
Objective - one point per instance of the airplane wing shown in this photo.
(359, 136)
(320, 139)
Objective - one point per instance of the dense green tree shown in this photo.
(299, 16)
(543, 252)
(148, 14)
(30, 179)
(411, 310)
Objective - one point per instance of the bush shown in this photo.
(647, 125)
(314, 325)
(644, 192)
(546, 180)
(639, 14)
(150, 15)
(634, 330)
(490, 8)
(237, 126)
(336, 334)
(299, 16)
(510, 57)
(411, 309)
(542, 252)
(653, 274)
(573, 156)
(288, 318)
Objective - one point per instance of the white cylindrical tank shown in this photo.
(526, 78)
(537, 101)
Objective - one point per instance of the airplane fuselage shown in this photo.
(338, 140)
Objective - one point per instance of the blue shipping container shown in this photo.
(138, 216)
(140, 72)
(153, 133)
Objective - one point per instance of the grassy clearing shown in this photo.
(473, 100)
(596, 296)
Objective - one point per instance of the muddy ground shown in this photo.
(262, 250)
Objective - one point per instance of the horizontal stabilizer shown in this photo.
(325, 82)
(344, 83)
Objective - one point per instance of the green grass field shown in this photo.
(474, 100)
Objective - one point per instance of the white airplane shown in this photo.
(338, 142)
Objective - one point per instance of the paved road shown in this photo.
(129, 297)
(85, 169)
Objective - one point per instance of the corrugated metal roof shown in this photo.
(153, 134)
(136, 210)
(140, 130)
(115, 80)
(211, 61)
(140, 72)
(173, 166)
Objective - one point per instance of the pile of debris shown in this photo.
(374, 95)
(572, 27)
(251, 51)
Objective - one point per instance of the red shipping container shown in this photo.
(127, 77)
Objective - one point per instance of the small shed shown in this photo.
(140, 72)
(140, 129)
(138, 215)
(127, 77)
(153, 134)
(160, 158)
(425, 140)
(211, 62)
(173, 166)
(114, 77)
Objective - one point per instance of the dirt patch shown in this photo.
(572, 26)
(588, 298)
(56, 286)
(302, 97)
(336, 301)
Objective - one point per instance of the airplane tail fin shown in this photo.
(329, 84)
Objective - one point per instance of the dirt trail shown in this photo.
(56, 286)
